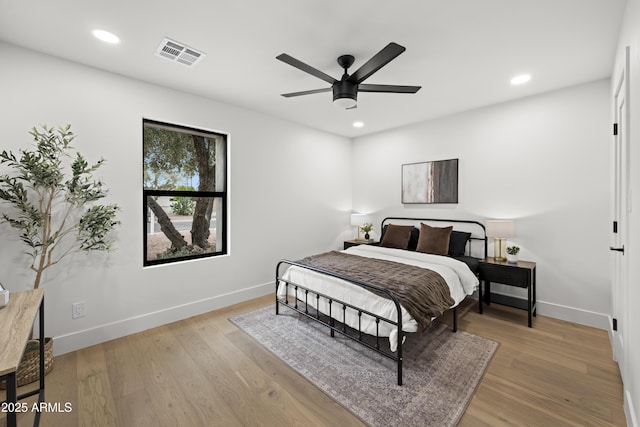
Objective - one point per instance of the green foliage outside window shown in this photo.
(183, 205)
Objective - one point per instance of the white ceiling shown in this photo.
(462, 52)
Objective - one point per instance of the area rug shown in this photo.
(441, 368)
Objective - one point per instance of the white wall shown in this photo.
(630, 36)
(542, 161)
(279, 206)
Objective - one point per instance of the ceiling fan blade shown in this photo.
(306, 68)
(306, 92)
(388, 88)
(379, 60)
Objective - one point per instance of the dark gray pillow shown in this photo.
(458, 243)
(413, 240)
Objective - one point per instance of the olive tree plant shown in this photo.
(55, 210)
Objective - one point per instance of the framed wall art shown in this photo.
(430, 182)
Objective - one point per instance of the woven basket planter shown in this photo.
(29, 367)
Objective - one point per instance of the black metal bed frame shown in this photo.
(302, 305)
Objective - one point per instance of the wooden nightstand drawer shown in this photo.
(508, 275)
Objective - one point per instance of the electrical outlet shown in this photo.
(77, 310)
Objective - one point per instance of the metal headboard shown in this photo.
(476, 228)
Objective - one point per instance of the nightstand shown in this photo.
(356, 242)
(521, 274)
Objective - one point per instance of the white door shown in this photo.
(620, 211)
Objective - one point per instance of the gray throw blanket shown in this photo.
(422, 292)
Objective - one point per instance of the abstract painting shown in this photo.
(430, 182)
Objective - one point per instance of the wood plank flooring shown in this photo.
(203, 371)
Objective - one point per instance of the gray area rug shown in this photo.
(441, 368)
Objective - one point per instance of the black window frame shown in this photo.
(222, 246)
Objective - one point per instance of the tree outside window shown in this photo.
(185, 193)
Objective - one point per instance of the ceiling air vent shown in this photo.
(178, 52)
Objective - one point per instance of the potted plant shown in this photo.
(366, 228)
(54, 212)
(512, 254)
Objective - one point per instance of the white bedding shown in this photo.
(459, 277)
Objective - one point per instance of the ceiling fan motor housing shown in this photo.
(345, 89)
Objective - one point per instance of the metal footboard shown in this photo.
(302, 295)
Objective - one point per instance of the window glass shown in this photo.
(184, 193)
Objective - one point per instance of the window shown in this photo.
(185, 193)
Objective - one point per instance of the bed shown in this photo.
(377, 294)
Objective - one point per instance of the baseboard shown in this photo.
(88, 337)
(629, 410)
(85, 338)
(575, 315)
(557, 311)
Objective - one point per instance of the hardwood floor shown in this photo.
(203, 371)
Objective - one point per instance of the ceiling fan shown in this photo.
(345, 90)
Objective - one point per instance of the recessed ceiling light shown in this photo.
(358, 124)
(106, 36)
(518, 80)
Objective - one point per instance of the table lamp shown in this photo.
(358, 220)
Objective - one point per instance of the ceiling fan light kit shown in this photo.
(345, 102)
(345, 91)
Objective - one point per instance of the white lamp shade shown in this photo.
(359, 219)
(500, 228)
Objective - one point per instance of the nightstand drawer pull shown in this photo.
(611, 248)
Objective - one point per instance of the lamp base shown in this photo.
(500, 249)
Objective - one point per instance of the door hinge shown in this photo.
(615, 324)
(615, 226)
(615, 129)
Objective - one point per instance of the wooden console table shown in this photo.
(17, 319)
